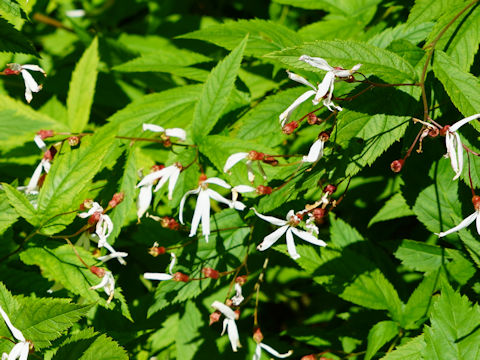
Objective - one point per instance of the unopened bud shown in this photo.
(50, 153)
(178, 276)
(94, 218)
(157, 167)
(290, 127)
(397, 165)
(97, 271)
(156, 250)
(257, 335)
(255, 155)
(167, 142)
(241, 279)
(44, 134)
(444, 130)
(330, 189)
(309, 357)
(214, 317)
(86, 204)
(210, 273)
(324, 136)
(319, 214)
(73, 141)
(312, 119)
(476, 202)
(116, 199)
(350, 79)
(170, 223)
(264, 190)
(270, 160)
(9, 71)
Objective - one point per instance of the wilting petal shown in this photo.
(324, 87)
(315, 152)
(270, 219)
(269, 240)
(224, 309)
(203, 202)
(465, 222)
(234, 159)
(275, 352)
(300, 79)
(177, 132)
(316, 62)
(283, 118)
(233, 334)
(152, 127)
(291, 245)
(462, 122)
(144, 200)
(158, 276)
(308, 237)
(182, 202)
(15, 332)
(217, 181)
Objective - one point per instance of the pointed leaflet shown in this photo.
(417, 308)
(82, 88)
(412, 350)
(462, 87)
(189, 336)
(396, 207)
(10, 306)
(8, 215)
(379, 335)
(21, 204)
(428, 10)
(216, 92)
(12, 40)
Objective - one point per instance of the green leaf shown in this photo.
(189, 338)
(454, 331)
(396, 207)
(10, 7)
(343, 234)
(411, 350)
(263, 36)
(414, 34)
(10, 305)
(335, 28)
(21, 204)
(417, 308)
(344, 7)
(381, 333)
(82, 88)
(8, 214)
(428, 10)
(375, 61)
(13, 40)
(215, 93)
(68, 180)
(462, 87)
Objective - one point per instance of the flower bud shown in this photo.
(290, 127)
(309, 357)
(397, 165)
(94, 218)
(116, 199)
(97, 271)
(73, 141)
(210, 273)
(9, 71)
(330, 189)
(319, 214)
(255, 155)
(44, 134)
(350, 79)
(86, 204)
(324, 136)
(241, 279)
(312, 119)
(170, 223)
(444, 130)
(156, 250)
(257, 335)
(178, 276)
(264, 190)
(202, 178)
(167, 142)
(50, 153)
(237, 314)
(476, 202)
(214, 317)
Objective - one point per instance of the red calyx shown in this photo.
(214, 317)
(476, 202)
(264, 190)
(97, 271)
(241, 279)
(257, 335)
(157, 250)
(210, 273)
(324, 136)
(41, 180)
(270, 160)
(170, 223)
(444, 130)
(94, 218)
(237, 314)
(157, 167)
(178, 276)
(397, 165)
(44, 134)
(167, 142)
(255, 155)
(319, 214)
(73, 141)
(50, 153)
(290, 127)
(9, 71)
(86, 204)
(433, 132)
(116, 199)
(202, 178)
(313, 119)
(330, 189)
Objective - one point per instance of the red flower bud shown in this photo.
(167, 142)
(214, 317)
(237, 314)
(433, 132)
(264, 190)
(444, 130)
(312, 119)
(210, 273)
(178, 276)
(9, 71)
(476, 202)
(397, 165)
(350, 79)
(330, 189)
(116, 199)
(170, 223)
(73, 141)
(257, 335)
(324, 136)
(255, 155)
(309, 357)
(290, 127)
(202, 178)
(94, 218)
(44, 134)
(97, 271)
(241, 279)
(319, 214)
(270, 160)
(156, 250)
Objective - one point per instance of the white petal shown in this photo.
(355, 68)
(33, 183)
(459, 156)
(172, 262)
(217, 197)
(166, 175)
(233, 334)
(308, 237)
(275, 352)
(462, 122)
(40, 143)
(331, 106)
(144, 200)
(238, 205)
(177, 132)
(324, 87)
(224, 309)
(300, 79)
(234, 159)
(283, 118)
(316, 62)
(15, 332)
(478, 223)
(101, 284)
(19, 351)
(315, 152)
(465, 222)
(28, 95)
(46, 165)
(157, 276)
(150, 178)
(217, 181)
(258, 353)
(152, 127)
(206, 216)
(182, 202)
(243, 189)
(250, 174)
(173, 181)
(270, 219)
(291, 245)
(115, 254)
(33, 68)
(203, 202)
(270, 239)
(449, 144)
(24, 350)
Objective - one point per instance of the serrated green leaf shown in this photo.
(381, 333)
(8, 215)
(68, 180)
(414, 34)
(411, 350)
(396, 207)
(21, 204)
(263, 36)
(343, 234)
(335, 28)
(419, 303)
(428, 10)
(13, 40)
(375, 61)
(215, 93)
(82, 88)
(462, 87)
(10, 7)
(10, 305)
(189, 338)
(344, 7)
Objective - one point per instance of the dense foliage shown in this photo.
(299, 173)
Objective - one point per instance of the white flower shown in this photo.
(169, 173)
(175, 132)
(108, 285)
(30, 83)
(202, 209)
(21, 349)
(250, 156)
(468, 220)
(44, 165)
(316, 151)
(238, 297)
(454, 145)
(260, 346)
(287, 227)
(229, 324)
(240, 189)
(163, 276)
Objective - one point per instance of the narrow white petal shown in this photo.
(355, 68)
(478, 222)
(275, 352)
(182, 202)
(300, 79)
(101, 284)
(270, 219)
(465, 222)
(46, 165)
(258, 353)
(233, 334)
(109, 225)
(238, 205)
(225, 325)
(462, 122)
(217, 197)
(206, 216)
(177, 132)
(33, 68)
(173, 181)
(243, 189)
(270, 239)
(250, 174)
(233, 160)
(15, 332)
(18, 351)
(459, 156)
(331, 106)
(203, 201)
(283, 118)
(40, 143)
(316, 62)
(30, 82)
(158, 276)
(291, 245)
(172, 263)
(315, 152)
(33, 183)
(24, 350)
(324, 87)
(144, 200)
(224, 309)
(166, 176)
(449, 144)
(152, 127)
(28, 95)
(308, 237)
(150, 178)
(217, 181)
(115, 254)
